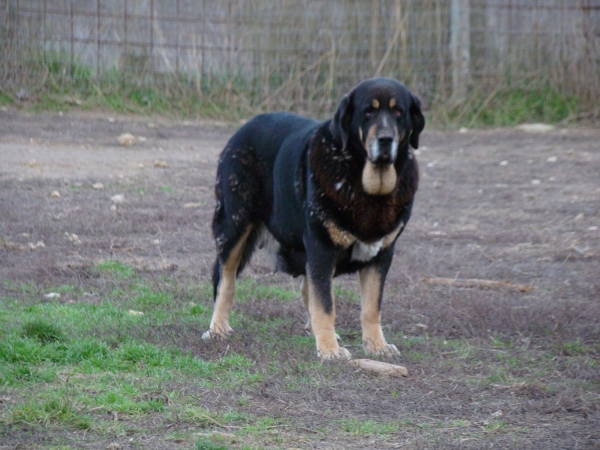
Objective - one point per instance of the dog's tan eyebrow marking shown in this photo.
(375, 103)
(392, 103)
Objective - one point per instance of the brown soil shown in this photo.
(501, 205)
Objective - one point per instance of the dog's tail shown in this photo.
(216, 277)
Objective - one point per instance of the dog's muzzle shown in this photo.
(384, 148)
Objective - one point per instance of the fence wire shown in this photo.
(303, 55)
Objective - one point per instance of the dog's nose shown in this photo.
(385, 141)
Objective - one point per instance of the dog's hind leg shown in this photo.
(224, 275)
(304, 289)
(235, 228)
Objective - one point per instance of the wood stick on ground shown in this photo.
(380, 368)
(475, 283)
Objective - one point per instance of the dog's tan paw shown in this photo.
(308, 329)
(215, 334)
(339, 353)
(382, 349)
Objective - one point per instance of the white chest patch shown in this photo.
(365, 252)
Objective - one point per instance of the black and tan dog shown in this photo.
(331, 196)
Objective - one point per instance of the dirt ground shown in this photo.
(502, 205)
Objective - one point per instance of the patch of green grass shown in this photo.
(66, 288)
(349, 295)
(575, 347)
(117, 268)
(56, 410)
(525, 103)
(150, 297)
(198, 310)
(43, 331)
(248, 289)
(205, 444)
(356, 426)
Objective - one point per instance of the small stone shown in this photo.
(421, 327)
(552, 159)
(118, 199)
(98, 186)
(55, 194)
(126, 139)
(135, 313)
(52, 295)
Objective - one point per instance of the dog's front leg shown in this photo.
(372, 278)
(321, 303)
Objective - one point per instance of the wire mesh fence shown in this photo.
(303, 55)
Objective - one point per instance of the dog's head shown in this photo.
(383, 117)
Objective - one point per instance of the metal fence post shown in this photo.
(98, 39)
(460, 47)
(72, 41)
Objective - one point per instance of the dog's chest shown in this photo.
(365, 252)
(361, 251)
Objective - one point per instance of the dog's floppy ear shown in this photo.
(340, 125)
(418, 121)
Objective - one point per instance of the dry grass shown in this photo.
(240, 56)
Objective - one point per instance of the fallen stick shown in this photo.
(475, 283)
(380, 368)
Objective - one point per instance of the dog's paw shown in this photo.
(386, 350)
(308, 329)
(339, 353)
(217, 334)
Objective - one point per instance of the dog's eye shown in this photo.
(370, 111)
(398, 112)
